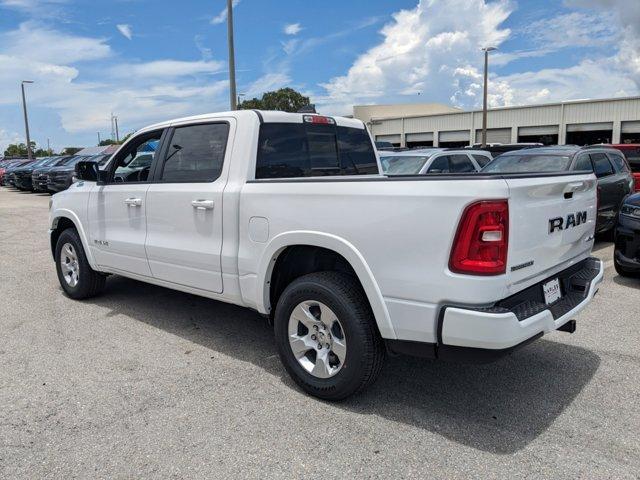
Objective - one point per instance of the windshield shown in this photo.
(528, 164)
(402, 165)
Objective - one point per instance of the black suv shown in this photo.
(615, 181)
(626, 257)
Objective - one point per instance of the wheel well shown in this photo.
(298, 260)
(60, 225)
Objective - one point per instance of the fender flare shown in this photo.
(331, 242)
(69, 215)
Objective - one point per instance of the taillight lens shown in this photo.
(482, 240)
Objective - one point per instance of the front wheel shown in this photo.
(326, 335)
(75, 275)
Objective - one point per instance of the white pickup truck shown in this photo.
(288, 214)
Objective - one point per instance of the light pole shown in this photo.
(26, 119)
(232, 60)
(484, 100)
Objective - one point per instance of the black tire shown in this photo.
(365, 349)
(623, 272)
(90, 283)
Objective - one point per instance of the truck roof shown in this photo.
(266, 116)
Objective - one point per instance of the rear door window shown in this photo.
(439, 165)
(196, 153)
(618, 161)
(290, 150)
(601, 165)
(584, 163)
(481, 159)
(460, 164)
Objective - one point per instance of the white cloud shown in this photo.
(140, 93)
(433, 49)
(575, 29)
(292, 29)
(420, 51)
(7, 138)
(34, 41)
(167, 69)
(222, 16)
(268, 82)
(125, 30)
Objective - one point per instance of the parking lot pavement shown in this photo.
(147, 382)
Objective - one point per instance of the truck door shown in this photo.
(184, 206)
(117, 209)
(608, 190)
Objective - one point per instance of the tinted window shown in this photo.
(481, 159)
(134, 162)
(633, 156)
(196, 153)
(460, 164)
(584, 163)
(439, 165)
(289, 150)
(618, 161)
(601, 165)
(517, 163)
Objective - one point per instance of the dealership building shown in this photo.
(582, 122)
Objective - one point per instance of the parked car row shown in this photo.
(618, 179)
(50, 174)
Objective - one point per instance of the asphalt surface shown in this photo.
(144, 382)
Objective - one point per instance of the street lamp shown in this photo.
(484, 101)
(232, 59)
(26, 119)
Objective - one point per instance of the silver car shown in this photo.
(433, 160)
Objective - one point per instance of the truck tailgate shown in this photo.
(552, 223)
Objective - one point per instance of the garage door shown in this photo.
(538, 131)
(495, 135)
(388, 138)
(630, 127)
(590, 127)
(419, 137)
(454, 136)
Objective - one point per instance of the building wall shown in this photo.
(366, 113)
(577, 115)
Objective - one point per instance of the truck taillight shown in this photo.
(482, 240)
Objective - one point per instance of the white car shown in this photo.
(288, 214)
(433, 160)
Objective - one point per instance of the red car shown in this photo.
(632, 152)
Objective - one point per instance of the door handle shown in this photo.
(133, 202)
(202, 204)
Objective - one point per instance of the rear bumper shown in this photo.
(481, 335)
(518, 319)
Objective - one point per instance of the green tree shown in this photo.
(285, 100)
(19, 149)
(107, 142)
(71, 150)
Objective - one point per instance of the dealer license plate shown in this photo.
(551, 291)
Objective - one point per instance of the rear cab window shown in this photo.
(293, 150)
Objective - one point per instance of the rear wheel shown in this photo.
(326, 335)
(75, 275)
(623, 272)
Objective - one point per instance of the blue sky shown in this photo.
(152, 60)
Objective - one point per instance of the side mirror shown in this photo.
(87, 171)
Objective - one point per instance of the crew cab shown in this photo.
(289, 215)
